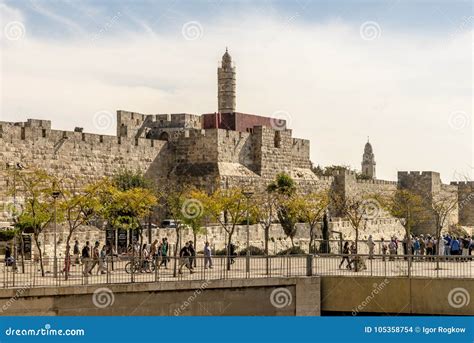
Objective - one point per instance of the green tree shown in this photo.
(193, 213)
(36, 187)
(125, 209)
(228, 208)
(357, 209)
(311, 208)
(410, 210)
(78, 206)
(287, 206)
(173, 199)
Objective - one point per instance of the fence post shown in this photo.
(13, 274)
(132, 268)
(371, 265)
(309, 265)
(409, 266)
(85, 272)
(107, 273)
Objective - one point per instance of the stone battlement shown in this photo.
(463, 184)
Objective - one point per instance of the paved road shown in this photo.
(277, 267)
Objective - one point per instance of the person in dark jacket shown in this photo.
(184, 255)
(345, 256)
(192, 258)
(76, 252)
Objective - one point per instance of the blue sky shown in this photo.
(398, 71)
(47, 18)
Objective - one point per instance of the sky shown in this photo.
(396, 71)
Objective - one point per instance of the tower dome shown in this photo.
(226, 58)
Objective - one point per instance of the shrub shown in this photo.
(292, 251)
(6, 235)
(254, 251)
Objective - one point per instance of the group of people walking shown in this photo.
(419, 246)
(156, 252)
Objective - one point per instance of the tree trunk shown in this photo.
(266, 230)
(195, 247)
(325, 248)
(311, 237)
(267, 260)
(175, 254)
(22, 253)
(40, 254)
(229, 242)
(67, 256)
(356, 259)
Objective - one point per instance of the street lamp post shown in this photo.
(55, 195)
(248, 195)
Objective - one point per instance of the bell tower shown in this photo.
(368, 161)
(226, 85)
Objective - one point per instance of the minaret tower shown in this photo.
(226, 85)
(368, 161)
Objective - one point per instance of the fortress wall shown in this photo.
(277, 152)
(79, 155)
(300, 153)
(235, 147)
(429, 187)
(465, 202)
(196, 146)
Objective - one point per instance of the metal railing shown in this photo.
(130, 270)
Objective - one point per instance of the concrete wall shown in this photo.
(245, 297)
(396, 295)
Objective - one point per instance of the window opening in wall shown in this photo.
(277, 139)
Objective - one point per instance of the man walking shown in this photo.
(164, 253)
(207, 256)
(76, 252)
(86, 256)
(95, 257)
(184, 255)
(371, 244)
(192, 257)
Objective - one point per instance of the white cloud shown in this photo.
(399, 89)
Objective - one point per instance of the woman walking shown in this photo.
(345, 256)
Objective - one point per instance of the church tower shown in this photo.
(226, 85)
(368, 161)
